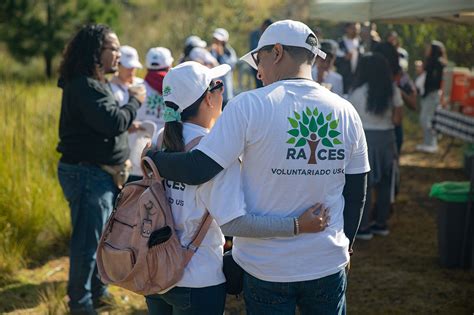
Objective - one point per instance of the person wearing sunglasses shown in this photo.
(300, 145)
(193, 98)
(92, 139)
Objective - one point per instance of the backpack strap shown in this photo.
(193, 246)
(201, 232)
(191, 144)
(149, 168)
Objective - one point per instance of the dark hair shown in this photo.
(267, 22)
(373, 69)
(302, 55)
(390, 34)
(187, 50)
(437, 53)
(348, 24)
(390, 53)
(82, 53)
(173, 133)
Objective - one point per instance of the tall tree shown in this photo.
(41, 28)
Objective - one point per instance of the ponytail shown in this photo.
(173, 140)
(173, 133)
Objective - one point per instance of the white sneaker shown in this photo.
(427, 148)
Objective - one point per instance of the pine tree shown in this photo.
(41, 28)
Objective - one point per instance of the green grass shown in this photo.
(33, 213)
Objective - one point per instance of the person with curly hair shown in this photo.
(94, 149)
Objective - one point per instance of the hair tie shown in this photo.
(171, 115)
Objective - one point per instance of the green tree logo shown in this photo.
(167, 90)
(312, 127)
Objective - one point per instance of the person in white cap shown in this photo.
(150, 115)
(300, 144)
(123, 79)
(193, 99)
(203, 56)
(225, 54)
(158, 62)
(190, 43)
(323, 69)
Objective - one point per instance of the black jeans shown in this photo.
(188, 301)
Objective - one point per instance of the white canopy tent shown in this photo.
(394, 11)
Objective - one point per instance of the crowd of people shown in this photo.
(372, 73)
(284, 169)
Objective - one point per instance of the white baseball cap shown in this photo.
(221, 34)
(194, 41)
(187, 82)
(159, 58)
(287, 33)
(129, 57)
(203, 56)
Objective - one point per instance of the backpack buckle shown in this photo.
(192, 247)
(146, 228)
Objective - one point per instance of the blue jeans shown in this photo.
(188, 301)
(90, 193)
(313, 297)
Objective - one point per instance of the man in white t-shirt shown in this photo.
(323, 69)
(300, 144)
(350, 49)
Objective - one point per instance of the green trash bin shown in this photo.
(455, 225)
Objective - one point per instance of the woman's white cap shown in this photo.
(221, 34)
(203, 56)
(129, 57)
(159, 58)
(187, 82)
(286, 33)
(194, 41)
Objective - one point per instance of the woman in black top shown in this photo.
(434, 63)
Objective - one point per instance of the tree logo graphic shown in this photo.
(312, 127)
(167, 90)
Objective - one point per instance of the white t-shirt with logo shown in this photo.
(224, 199)
(297, 140)
(136, 140)
(359, 97)
(153, 107)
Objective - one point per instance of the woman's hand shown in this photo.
(313, 220)
(139, 92)
(146, 149)
(136, 126)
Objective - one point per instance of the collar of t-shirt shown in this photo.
(191, 129)
(351, 43)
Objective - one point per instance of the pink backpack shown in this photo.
(139, 249)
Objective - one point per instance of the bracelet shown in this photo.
(297, 226)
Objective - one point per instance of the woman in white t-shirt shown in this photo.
(193, 99)
(379, 104)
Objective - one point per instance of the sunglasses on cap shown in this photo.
(216, 85)
(255, 54)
